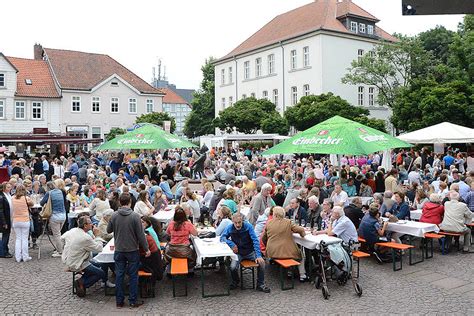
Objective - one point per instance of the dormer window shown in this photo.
(370, 29)
(2, 80)
(361, 28)
(114, 84)
(353, 27)
(28, 82)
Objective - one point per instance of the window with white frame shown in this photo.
(231, 101)
(271, 63)
(76, 104)
(371, 96)
(293, 63)
(360, 95)
(114, 105)
(361, 28)
(360, 54)
(95, 104)
(275, 97)
(2, 109)
(265, 94)
(36, 110)
(306, 90)
(149, 106)
(354, 27)
(223, 103)
(246, 70)
(306, 56)
(2, 80)
(222, 76)
(230, 75)
(96, 132)
(20, 107)
(370, 29)
(132, 105)
(294, 95)
(258, 67)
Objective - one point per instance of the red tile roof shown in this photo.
(172, 97)
(82, 71)
(318, 15)
(42, 82)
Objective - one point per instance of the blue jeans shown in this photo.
(131, 262)
(93, 273)
(234, 269)
(4, 244)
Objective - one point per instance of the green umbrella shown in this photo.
(337, 135)
(148, 136)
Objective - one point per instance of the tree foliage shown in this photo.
(114, 132)
(200, 120)
(247, 116)
(157, 118)
(314, 109)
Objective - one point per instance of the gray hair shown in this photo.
(108, 212)
(388, 194)
(453, 195)
(266, 186)
(338, 210)
(435, 198)
(237, 216)
(278, 212)
(313, 198)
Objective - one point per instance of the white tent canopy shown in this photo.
(442, 133)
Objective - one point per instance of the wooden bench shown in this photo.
(179, 268)
(357, 255)
(431, 237)
(247, 265)
(449, 238)
(361, 240)
(146, 284)
(396, 247)
(74, 273)
(286, 264)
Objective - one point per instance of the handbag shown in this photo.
(47, 210)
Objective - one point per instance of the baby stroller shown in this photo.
(335, 258)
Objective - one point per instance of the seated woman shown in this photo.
(224, 219)
(143, 206)
(373, 231)
(433, 210)
(278, 239)
(153, 263)
(420, 199)
(99, 205)
(179, 231)
(106, 216)
(191, 198)
(160, 202)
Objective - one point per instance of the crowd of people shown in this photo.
(285, 194)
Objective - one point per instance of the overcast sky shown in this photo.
(183, 33)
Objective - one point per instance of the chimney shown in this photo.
(38, 51)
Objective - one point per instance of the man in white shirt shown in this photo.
(414, 176)
(338, 196)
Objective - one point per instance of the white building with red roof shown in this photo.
(301, 52)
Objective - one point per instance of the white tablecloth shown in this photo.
(166, 215)
(415, 215)
(107, 255)
(412, 228)
(311, 241)
(79, 211)
(212, 248)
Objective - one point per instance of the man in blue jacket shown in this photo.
(242, 239)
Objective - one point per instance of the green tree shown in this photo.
(437, 42)
(157, 118)
(314, 109)
(275, 123)
(114, 132)
(200, 120)
(246, 115)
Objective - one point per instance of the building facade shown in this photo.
(177, 107)
(304, 51)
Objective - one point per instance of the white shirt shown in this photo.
(339, 199)
(414, 177)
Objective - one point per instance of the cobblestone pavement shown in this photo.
(440, 285)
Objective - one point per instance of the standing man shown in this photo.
(5, 219)
(262, 201)
(241, 238)
(45, 165)
(129, 236)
